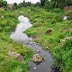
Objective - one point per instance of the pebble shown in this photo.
(35, 68)
(38, 51)
(46, 47)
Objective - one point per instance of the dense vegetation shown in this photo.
(58, 42)
(3, 3)
(56, 3)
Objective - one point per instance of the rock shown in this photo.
(20, 11)
(34, 68)
(48, 31)
(18, 56)
(62, 40)
(66, 38)
(46, 47)
(65, 17)
(37, 51)
(37, 58)
(30, 43)
(2, 17)
(35, 43)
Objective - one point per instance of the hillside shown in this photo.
(58, 42)
(8, 22)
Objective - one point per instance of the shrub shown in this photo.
(59, 17)
(25, 4)
(3, 3)
(48, 5)
(57, 10)
(37, 4)
(61, 36)
(69, 14)
(53, 21)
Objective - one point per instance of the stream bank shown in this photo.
(21, 37)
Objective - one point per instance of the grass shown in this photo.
(7, 64)
(42, 21)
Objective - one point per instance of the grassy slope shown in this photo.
(7, 64)
(43, 20)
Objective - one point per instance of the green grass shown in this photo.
(8, 64)
(42, 21)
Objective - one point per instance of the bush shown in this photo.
(57, 10)
(69, 14)
(3, 3)
(59, 17)
(15, 6)
(25, 4)
(53, 21)
(63, 56)
(48, 5)
(37, 4)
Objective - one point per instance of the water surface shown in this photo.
(18, 35)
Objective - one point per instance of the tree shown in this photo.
(69, 2)
(59, 3)
(49, 5)
(43, 2)
(3, 3)
(15, 4)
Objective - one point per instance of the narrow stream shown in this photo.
(19, 36)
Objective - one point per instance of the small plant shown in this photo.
(57, 10)
(53, 21)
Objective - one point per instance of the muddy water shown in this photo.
(19, 36)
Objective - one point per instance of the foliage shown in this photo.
(3, 3)
(69, 14)
(37, 4)
(43, 2)
(49, 5)
(8, 22)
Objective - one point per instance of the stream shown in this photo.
(21, 37)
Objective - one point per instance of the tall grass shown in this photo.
(8, 22)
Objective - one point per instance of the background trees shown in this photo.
(49, 4)
(3, 3)
(43, 2)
